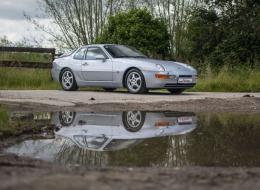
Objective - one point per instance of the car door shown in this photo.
(97, 67)
(76, 63)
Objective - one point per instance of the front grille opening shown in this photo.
(185, 76)
(174, 85)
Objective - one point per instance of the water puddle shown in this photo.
(138, 138)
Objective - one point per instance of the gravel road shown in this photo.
(62, 98)
(25, 174)
(122, 100)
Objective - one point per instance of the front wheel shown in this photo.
(135, 82)
(66, 118)
(68, 81)
(133, 120)
(175, 91)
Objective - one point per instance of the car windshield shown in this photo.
(120, 51)
(90, 141)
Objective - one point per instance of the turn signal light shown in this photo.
(165, 76)
(162, 76)
(164, 124)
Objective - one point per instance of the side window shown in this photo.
(95, 53)
(80, 55)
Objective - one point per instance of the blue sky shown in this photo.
(14, 25)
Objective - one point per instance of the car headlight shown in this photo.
(187, 66)
(190, 67)
(160, 67)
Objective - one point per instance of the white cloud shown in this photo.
(14, 25)
(16, 30)
(15, 9)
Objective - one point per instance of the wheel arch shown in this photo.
(61, 71)
(126, 71)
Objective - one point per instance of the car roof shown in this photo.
(89, 45)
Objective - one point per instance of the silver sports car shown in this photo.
(113, 66)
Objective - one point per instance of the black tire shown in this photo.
(130, 126)
(176, 91)
(109, 89)
(142, 85)
(66, 118)
(72, 81)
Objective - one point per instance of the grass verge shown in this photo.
(25, 78)
(223, 81)
(239, 80)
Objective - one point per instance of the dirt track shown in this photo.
(21, 173)
(105, 101)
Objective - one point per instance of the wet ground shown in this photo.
(118, 101)
(129, 149)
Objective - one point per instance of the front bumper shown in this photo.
(172, 82)
(55, 74)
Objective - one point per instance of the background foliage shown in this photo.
(139, 29)
(219, 37)
(225, 33)
(200, 32)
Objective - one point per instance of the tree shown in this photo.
(137, 28)
(203, 34)
(76, 22)
(226, 33)
(5, 42)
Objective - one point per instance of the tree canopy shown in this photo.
(216, 32)
(225, 33)
(137, 28)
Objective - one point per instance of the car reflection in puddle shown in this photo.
(103, 132)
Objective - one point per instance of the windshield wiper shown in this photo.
(138, 56)
(122, 56)
(125, 56)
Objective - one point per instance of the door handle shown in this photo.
(85, 64)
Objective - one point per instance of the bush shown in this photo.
(228, 80)
(225, 34)
(139, 29)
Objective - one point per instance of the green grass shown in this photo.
(25, 78)
(239, 80)
(5, 129)
(21, 125)
(26, 57)
(224, 81)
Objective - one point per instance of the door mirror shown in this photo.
(101, 57)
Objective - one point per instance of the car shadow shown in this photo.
(155, 93)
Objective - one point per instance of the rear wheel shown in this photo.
(176, 91)
(135, 82)
(109, 89)
(68, 81)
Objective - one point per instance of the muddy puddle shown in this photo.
(134, 138)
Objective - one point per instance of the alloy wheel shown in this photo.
(134, 81)
(134, 118)
(67, 79)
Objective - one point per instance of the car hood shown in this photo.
(168, 65)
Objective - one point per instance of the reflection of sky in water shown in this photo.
(164, 139)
